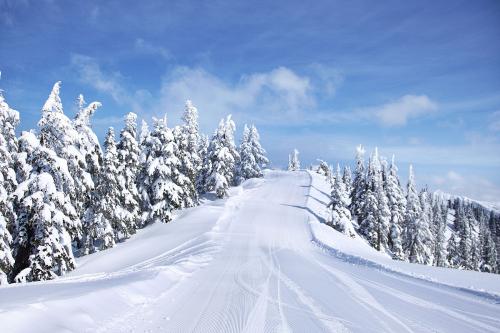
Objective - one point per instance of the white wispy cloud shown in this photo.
(90, 73)
(145, 47)
(400, 111)
(268, 95)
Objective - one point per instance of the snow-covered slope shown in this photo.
(259, 261)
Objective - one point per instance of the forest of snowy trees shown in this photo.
(411, 225)
(62, 196)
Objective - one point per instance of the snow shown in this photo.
(257, 261)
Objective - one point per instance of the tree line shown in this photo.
(412, 225)
(62, 195)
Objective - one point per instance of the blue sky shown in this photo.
(420, 79)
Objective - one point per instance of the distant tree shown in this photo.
(252, 155)
(439, 221)
(375, 225)
(347, 179)
(293, 161)
(339, 216)
(221, 160)
(359, 187)
(397, 208)
(488, 252)
(324, 169)
(453, 252)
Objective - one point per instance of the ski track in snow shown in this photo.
(251, 263)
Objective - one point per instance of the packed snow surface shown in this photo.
(259, 261)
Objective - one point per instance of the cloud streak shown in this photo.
(259, 96)
(144, 47)
(399, 112)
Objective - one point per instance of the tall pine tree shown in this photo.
(9, 119)
(128, 168)
(46, 217)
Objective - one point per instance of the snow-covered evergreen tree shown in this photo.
(397, 207)
(9, 119)
(46, 216)
(88, 142)
(439, 222)
(162, 176)
(324, 169)
(57, 132)
(293, 161)
(416, 229)
(103, 219)
(206, 164)
(128, 168)
(252, 155)
(187, 138)
(90, 148)
(453, 252)
(339, 216)
(347, 179)
(258, 152)
(221, 160)
(423, 241)
(144, 133)
(359, 187)
(375, 225)
(465, 242)
(488, 252)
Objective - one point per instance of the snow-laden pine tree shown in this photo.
(375, 225)
(142, 187)
(128, 168)
(46, 216)
(161, 173)
(323, 169)
(187, 138)
(412, 214)
(90, 148)
(57, 132)
(206, 164)
(397, 207)
(144, 133)
(258, 152)
(103, 219)
(293, 161)
(88, 142)
(418, 241)
(424, 240)
(476, 251)
(439, 222)
(464, 232)
(453, 252)
(221, 160)
(252, 155)
(347, 179)
(488, 251)
(359, 187)
(9, 119)
(339, 216)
